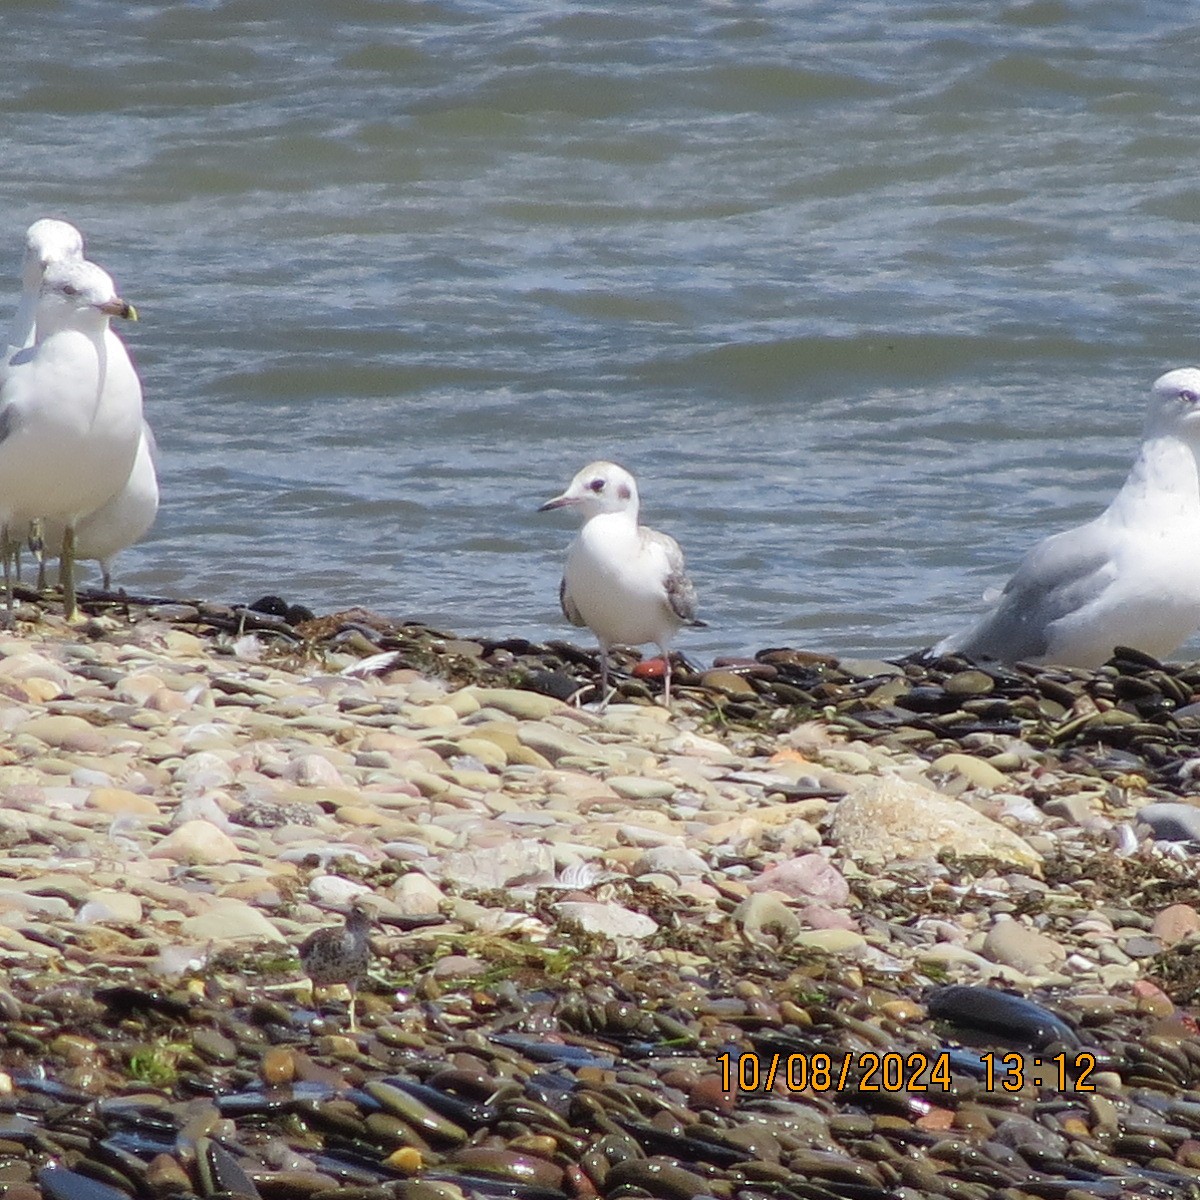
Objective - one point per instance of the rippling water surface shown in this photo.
(868, 295)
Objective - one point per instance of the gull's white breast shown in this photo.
(76, 425)
(617, 581)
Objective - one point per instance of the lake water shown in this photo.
(867, 295)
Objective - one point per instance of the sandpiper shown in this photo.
(341, 954)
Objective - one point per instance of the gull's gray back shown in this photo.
(681, 592)
(1059, 576)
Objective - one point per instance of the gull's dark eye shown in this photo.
(69, 289)
(1188, 396)
(597, 485)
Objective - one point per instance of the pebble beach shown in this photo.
(776, 942)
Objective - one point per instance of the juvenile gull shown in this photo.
(70, 413)
(1131, 577)
(625, 582)
(341, 954)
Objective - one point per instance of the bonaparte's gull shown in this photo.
(625, 582)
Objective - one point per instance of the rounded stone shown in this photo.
(636, 787)
(230, 921)
(1175, 923)
(117, 800)
(1017, 945)
(65, 733)
(811, 875)
(977, 771)
(197, 842)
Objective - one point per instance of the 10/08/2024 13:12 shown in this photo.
(866, 1071)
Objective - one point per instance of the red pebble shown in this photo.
(936, 1120)
(650, 668)
(707, 1092)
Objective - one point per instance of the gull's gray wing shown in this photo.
(9, 419)
(681, 592)
(11, 410)
(568, 605)
(1059, 576)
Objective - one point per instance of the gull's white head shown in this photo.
(1175, 403)
(78, 293)
(48, 241)
(601, 487)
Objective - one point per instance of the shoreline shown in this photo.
(582, 913)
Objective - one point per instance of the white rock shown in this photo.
(885, 818)
(204, 807)
(197, 842)
(415, 893)
(230, 920)
(521, 861)
(105, 906)
(764, 914)
(608, 920)
(204, 770)
(313, 770)
(673, 860)
(332, 891)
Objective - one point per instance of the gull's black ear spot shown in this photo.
(623, 492)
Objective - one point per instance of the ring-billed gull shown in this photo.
(125, 519)
(70, 413)
(1131, 577)
(46, 241)
(625, 582)
(128, 516)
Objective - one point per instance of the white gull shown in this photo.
(1131, 577)
(625, 582)
(128, 516)
(46, 241)
(70, 413)
(125, 519)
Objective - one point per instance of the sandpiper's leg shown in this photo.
(353, 1007)
(67, 574)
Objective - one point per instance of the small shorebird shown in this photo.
(625, 582)
(341, 954)
(1131, 577)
